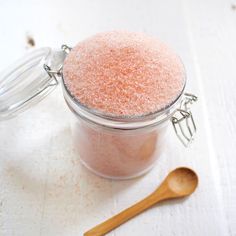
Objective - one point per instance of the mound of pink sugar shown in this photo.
(123, 73)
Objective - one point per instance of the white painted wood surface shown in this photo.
(43, 188)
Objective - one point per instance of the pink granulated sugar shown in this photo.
(123, 73)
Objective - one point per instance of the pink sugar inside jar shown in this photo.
(123, 88)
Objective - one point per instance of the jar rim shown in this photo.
(121, 122)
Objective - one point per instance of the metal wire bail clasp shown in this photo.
(183, 121)
(54, 74)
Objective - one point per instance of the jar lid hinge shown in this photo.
(183, 121)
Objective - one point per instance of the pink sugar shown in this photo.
(123, 73)
(117, 155)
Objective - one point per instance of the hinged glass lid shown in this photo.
(29, 80)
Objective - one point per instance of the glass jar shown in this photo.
(110, 146)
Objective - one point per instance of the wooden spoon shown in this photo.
(179, 183)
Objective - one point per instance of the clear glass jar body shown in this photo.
(118, 148)
(117, 153)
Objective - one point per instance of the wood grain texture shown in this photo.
(43, 188)
(212, 34)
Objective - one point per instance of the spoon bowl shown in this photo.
(182, 181)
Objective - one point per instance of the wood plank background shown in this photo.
(43, 188)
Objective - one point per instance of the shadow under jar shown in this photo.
(114, 140)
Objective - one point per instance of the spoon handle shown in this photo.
(123, 216)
